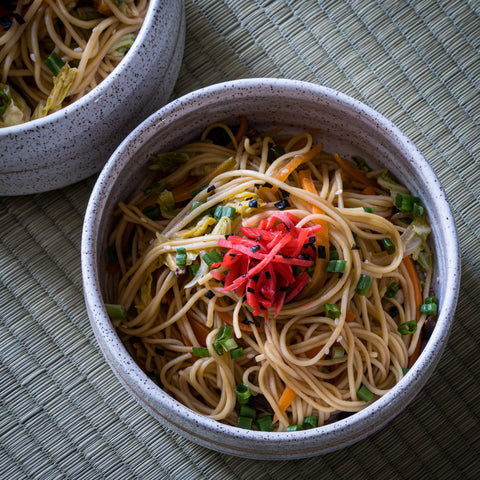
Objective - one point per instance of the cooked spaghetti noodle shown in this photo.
(270, 267)
(80, 41)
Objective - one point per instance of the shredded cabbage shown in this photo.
(17, 110)
(122, 45)
(61, 86)
(145, 295)
(415, 236)
(167, 204)
(168, 162)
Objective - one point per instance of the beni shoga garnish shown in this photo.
(268, 284)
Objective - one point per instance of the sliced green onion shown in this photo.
(405, 202)
(236, 353)
(54, 63)
(408, 327)
(294, 428)
(361, 163)
(229, 212)
(275, 152)
(198, 190)
(265, 423)
(333, 254)
(428, 308)
(311, 421)
(245, 422)
(336, 266)
(212, 257)
(218, 347)
(200, 352)
(368, 209)
(388, 246)
(392, 290)
(418, 209)
(116, 311)
(224, 333)
(229, 345)
(332, 310)
(193, 269)
(152, 211)
(338, 353)
(181, 257)
(247, 411)
(363, 285)
(364, 393)
(431, 300)
(405, 370)
(218, 212)
(243, 393)
(4, 101)
(196, 205)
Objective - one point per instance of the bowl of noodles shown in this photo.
(270, 268)
(75, 78)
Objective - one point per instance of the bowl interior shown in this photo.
(344, 126)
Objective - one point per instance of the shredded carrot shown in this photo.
(286, 399)
(200, 330)
(412, 273)
(293, 164)
(350, 316)
(368, 191)
(355, 173)
(241, 132)
(319, 273)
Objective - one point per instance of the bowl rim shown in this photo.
(101, 89)
(379, 412)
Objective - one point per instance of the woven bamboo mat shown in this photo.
(63, 414)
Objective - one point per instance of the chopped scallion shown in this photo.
(200, 352)
(54, 63)
(338, 353)
(294, 428)
(243, 393)
(392, 290)
(388, 246)
(336, 266)
(245, 422)
(408, 327)
(364, 393)
(236, 353)
(224, 333)
(181, 257)
(193, 269)
(229, 344)
(332, 310)
(247, 411)
(218, 347)
(311, 421)
(405, 370)
(212, 257)
(363, 285)
(265, 423)
(116, 311)
(152, 211)
(368, 209)
(428, 308)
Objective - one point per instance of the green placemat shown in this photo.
(63, 414)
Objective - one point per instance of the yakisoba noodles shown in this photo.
(52, 52)
(267, 284)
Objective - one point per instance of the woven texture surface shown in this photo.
(63, 414)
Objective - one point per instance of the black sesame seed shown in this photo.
(284, 193)
(282, 204)
(322, 253)
(209, 294)
(253, 204)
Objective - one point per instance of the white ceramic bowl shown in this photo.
(346, 126)
(75, 142)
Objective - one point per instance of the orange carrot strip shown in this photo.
(412, 273)
(294, 163)
(319, 273)
(350, 316)
(200, 330)
(298, 145)
(368, 191)
(286, 399)
(355, 173)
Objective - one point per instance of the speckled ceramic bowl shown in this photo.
(346, 126)
(75, 142)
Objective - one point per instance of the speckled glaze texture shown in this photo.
(75, 142)
(347, 127)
